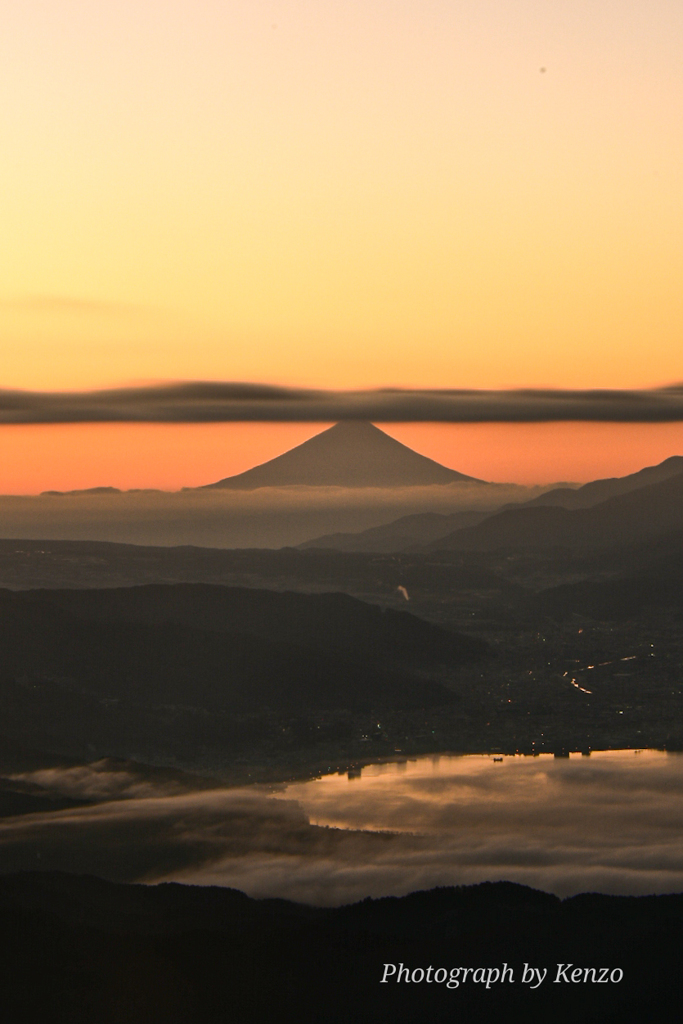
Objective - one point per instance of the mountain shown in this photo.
(619, 599)
(627, 518)
(86, 565)
(352, 453)
(400, 535)
(653, 587)
(221, 649)
(600, 490)
(80, 949)
(333, 622)
(179, 673)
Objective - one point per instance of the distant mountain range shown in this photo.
(373, 495)
(601, 490)
(637, 515)
(548, 519)
(352, 453)
(400, 535)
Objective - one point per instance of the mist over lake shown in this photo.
(611, 822)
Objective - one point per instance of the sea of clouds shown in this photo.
(267, 517)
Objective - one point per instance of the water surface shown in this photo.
(611, 822)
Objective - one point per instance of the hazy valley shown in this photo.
(538, 627)
(164, 707)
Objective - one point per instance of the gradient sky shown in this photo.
(340, 193)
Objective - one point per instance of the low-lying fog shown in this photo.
(267, 517)
(610, 823)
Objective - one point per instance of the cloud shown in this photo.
(611, 824)
(216, 401)
(105, 779)
(266, 517)
(157, 837)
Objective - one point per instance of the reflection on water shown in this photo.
(608, 822)
(611, 822)
(442, 793)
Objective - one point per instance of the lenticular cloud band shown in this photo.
(216, 401)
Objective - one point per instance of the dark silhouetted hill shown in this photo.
(28, 564)
(352, 453)
(655, 587)
(87, 490)
(216, 649)
(79, 950)
(600, 490)
(636, 516)
(401, 535)
(335, 623)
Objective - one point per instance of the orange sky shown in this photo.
(358, 194)
(170, 456)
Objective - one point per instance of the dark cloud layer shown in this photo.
(206, 402)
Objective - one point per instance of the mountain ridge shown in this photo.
(400, 534)
(597, 491)
(636, 515)
(142, 949)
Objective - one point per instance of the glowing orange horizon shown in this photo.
(170, 456)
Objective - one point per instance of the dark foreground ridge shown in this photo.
(79, 949)
(225, 671)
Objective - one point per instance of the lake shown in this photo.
(610, 822)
